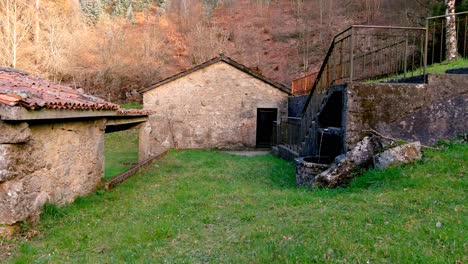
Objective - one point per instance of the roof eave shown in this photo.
(18, 113)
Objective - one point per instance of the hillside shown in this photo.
(112, 48)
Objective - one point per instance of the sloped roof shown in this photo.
(18, 88)
(227, 60)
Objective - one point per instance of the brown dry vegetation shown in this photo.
(115, 56)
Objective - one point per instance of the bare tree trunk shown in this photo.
(451, 41)
(15, 28)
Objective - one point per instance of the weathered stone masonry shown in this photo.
(53, 162)
(51, 143)
(415, 112)
(213, 107)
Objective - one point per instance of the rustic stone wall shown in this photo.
(214, 107)
(54, 162)
(416, 112)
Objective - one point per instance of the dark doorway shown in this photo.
(265, 119)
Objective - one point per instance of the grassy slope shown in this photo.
(442, 67)
(437, 68)
(201, 206)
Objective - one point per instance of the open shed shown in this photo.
(51, 143)
(218, 104)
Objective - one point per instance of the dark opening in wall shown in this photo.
(329, 143)
(332, 114)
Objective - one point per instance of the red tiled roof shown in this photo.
(18, 88)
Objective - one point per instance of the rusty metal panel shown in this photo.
(303, 85)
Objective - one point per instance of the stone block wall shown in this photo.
(415, 112)
(214, 107)
(47, 162)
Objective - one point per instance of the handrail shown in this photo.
(454, 14)
(380, 49)
(351, 56)
(332, 46)
(388, 27)
(342, 32)
(436, 45)
(322, 68)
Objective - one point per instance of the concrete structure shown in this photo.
(51, 143)
(424, 112)
(218, 104)
(414, 112)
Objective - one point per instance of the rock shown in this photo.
(363, 151)
(398, 155)
(341, 172)
(14, 133)
(17, 160)
(340, 158)
(336, 175)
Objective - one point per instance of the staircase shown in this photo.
(359, 53)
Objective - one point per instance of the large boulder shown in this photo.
(337, 174)
(398, 155)
(363, 151)
(341, 173)
(362, 155)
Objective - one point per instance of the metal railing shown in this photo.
(359, 53)
(436, 38)
(289, 133)
(379, 53)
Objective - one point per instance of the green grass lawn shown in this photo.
(442, 67)
(205, 206)
(120, 149)
(437, 68)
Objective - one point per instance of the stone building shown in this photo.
(217, 104)
(51, 143)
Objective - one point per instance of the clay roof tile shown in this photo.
(18, 88)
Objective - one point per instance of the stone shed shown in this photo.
(218, 104)
(51, 143)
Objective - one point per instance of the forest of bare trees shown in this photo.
(114, 47)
